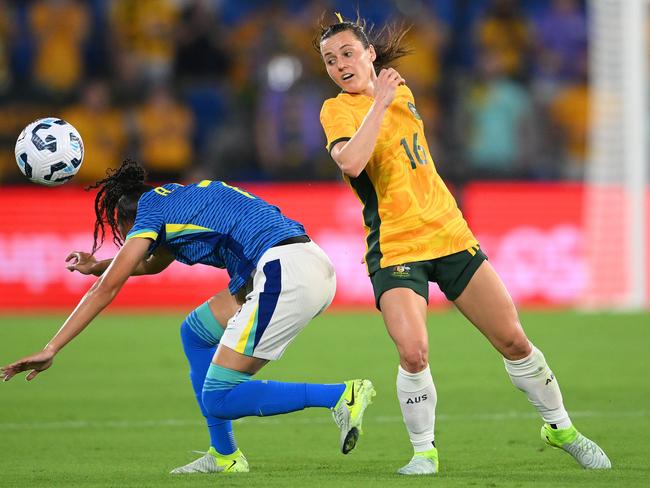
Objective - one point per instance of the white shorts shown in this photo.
(291, 285)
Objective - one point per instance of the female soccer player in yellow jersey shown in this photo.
(415, 233)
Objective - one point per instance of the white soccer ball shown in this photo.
(49, 151)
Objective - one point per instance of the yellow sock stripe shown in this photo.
(243, 339)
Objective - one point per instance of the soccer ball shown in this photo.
(49, 151)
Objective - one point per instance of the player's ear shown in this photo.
(373, 53)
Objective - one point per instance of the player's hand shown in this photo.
(81, 261)
(35, 363)
(385, 84)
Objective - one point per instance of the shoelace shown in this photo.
(586, 445)
(588, 451)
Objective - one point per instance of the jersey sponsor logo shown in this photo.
(548, 380)
(414, 111)
(416, 399)
(401, 271)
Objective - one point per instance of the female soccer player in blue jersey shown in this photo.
(279, 281)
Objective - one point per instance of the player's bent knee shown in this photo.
(516, 347)
(200, 329)
(214, 402)
(414, 359)
(219, 383)
(188, 336)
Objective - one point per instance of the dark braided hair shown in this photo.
(117, 200)
(387, 40)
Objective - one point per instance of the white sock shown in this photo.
(533, 376)
(417, 399)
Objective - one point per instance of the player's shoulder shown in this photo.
(158, 192)
(341, 104)
(404, 91)
(330, 104)
(163, 189)
(344, 100)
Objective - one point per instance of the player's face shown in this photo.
(348, 63)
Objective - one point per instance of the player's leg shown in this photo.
(200, 334)
(290, 287)
(404, 312)
(488, 305)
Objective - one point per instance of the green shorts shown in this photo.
(451, 273)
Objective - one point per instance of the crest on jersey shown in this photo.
(414, 111)
(401, 271)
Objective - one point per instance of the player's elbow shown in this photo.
(105, 294)
(353, 172)
(103, 291)
(351, 168)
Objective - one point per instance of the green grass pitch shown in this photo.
(117, 410)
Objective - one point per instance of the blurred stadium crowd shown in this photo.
(232, 88)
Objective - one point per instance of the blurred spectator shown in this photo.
(143, 37)
(249, 91)
(561, 38)
(569, 114)
(422, 68)
(288, 135)
(59, 28)
(5, 34)
(259, 35)
(426, 39)
(505, 33)
(14, 116)
(102, 128)
(289, 139)
(200, 51)
(164, 129)
(495, 122)
(228, 153)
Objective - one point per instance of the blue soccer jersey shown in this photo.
(212, 223)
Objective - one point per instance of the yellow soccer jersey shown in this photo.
(409, 214)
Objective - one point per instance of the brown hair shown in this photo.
(387, 40)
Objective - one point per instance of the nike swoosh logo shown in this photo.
(351, 402)
(230, 467)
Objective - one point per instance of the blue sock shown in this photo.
(232, 394)
(200, 335)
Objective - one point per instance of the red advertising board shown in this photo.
(533, 234)
(40, 226)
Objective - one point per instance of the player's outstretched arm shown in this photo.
(85, 263)
(93, 302)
